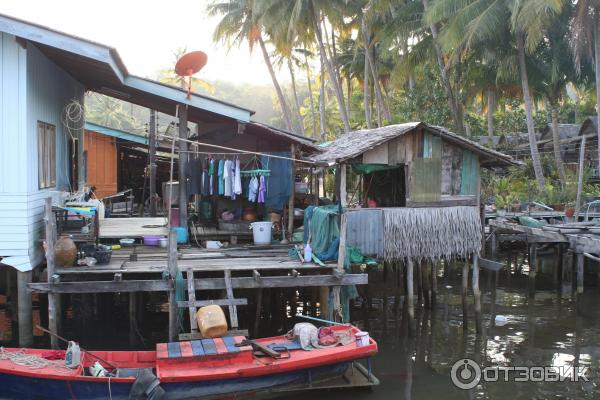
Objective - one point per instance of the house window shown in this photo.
(46, 155)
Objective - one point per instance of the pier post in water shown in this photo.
(532, 267)
(464, 293)
(580, 262)
(410, 291)
(476, 293)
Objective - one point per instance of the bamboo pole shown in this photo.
(464, 293)
(580, 264)
(410, 291)
(340, 265)
(152, 161)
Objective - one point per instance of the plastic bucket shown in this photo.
(182, 234)
(362, 339)
(261, 232)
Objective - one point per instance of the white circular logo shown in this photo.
(465, 374)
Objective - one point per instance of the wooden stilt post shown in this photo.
(25, 309)
(340, 265)
(132, 318)
(410, 292)
(493, 241)
(53, 301)
(173, 309)
(532, 267)
(152, 161)
(183, 160)
(343, 189)
(425, 272)
(292, 193)
(580, 264)
(476, 293)
(258, 314)
(434, 288)
(464, 293)
(420, 283)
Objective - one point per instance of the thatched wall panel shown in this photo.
(431, 233)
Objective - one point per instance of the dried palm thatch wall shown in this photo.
(431, 233)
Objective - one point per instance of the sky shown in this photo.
(146, 33)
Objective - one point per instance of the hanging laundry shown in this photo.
(227, 178)
(237, 187)
(262, 189)
(205, 180)
(232, 180)
(211, 174)
(220, 177)
(253, 189)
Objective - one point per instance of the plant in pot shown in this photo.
(501, 204)
(569, 209)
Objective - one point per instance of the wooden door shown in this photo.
(101, 163)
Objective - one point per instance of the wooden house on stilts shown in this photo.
(411, 194)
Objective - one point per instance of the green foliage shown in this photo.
(426, 102)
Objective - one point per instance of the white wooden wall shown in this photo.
(32, 89)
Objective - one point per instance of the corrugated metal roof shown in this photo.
(365, 231)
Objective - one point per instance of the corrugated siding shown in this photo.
(365, 231)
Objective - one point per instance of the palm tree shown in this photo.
(586, 35)
(307, 18)
(239, 24)
(475, 21)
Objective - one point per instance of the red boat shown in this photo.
(198, 369)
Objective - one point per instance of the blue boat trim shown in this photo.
(174, 350)
(230, 343)
(209, 347)
(197, 348)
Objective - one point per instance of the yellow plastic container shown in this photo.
(211, 321)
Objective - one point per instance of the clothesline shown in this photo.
(216, 146)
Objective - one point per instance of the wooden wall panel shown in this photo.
(101, 163)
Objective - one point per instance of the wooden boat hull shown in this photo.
(219, 368)
(22, 387)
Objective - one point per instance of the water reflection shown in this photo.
(554, 328)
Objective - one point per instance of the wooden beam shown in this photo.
(232, 309)
(192, 300)
(218, 302)
(490, 265)
(201, 284)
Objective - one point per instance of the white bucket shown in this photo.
(261, 232)
(362, 339)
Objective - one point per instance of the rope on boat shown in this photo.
(28, 360)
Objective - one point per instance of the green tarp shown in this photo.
(370, 168)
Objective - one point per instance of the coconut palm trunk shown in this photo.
(535, 155)
(296, 100)
(367, 94)
(491, 106)
(370, 59)
(556, 142)
(331, 71)
(310, 96)
(452, 102)
(597, 64)
(287, 115)
(323, 122)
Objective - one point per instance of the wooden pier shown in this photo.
(579, 245)
(210, 276)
